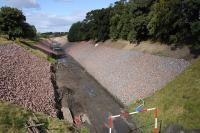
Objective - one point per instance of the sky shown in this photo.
(55, 15)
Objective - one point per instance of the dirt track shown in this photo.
(89, 97)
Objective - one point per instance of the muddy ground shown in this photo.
(84, 95)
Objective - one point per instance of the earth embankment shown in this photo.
(25, 80)
(128, 75)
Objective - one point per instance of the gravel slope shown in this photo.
(26, 80)
(128, 75)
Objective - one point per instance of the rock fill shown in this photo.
(128, 75)
(25, 80)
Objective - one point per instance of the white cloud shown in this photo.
(23, 3)
(45, 22)
(48, 22)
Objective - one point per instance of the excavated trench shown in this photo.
(81, 97)
(57, 99)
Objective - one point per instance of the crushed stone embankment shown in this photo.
(128, 75)
(26, 80)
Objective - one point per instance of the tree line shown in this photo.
(13, 23)
(52, 34)
(169, 21)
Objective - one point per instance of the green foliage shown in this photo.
(95, 26)
(119, 18)
(178, 102)
(75, 32)
(140, 11)
(13, 119)
(51, 34)
(195, 28)
(12, 23)
(29, 31)
(51, 60)
(102, 21)
(170, 21)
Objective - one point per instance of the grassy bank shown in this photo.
(13, 119)
(151, 47)
(4, 40)
(27, 45)
(178, 102)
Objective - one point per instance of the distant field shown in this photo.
(178, 102)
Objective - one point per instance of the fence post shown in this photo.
(156, 121)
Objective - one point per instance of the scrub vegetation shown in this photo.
(13, 23)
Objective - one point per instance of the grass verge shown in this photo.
(13, 119)
(27, 45)
(4, 40)
(178, 102)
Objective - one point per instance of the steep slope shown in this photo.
(26, 80)
(13, 119)
(178, 102)
(128, 75)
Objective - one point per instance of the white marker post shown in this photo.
(132, 113)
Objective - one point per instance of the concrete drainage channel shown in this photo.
(84, 102)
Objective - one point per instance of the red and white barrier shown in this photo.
(125, 114)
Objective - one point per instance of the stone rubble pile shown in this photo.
(26, 80)
(128, 75)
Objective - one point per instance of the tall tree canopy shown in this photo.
(75, 32)
(118, 20)
(170, 21)
(95, 26)
(173, 20)
(13, 23)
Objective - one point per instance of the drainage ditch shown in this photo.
(57, 99)
(84, 102)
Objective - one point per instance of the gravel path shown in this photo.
(26, 80)
(128, 75)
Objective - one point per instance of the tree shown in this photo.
(116, 21)
(29, 31)
(139, 11)
(98, 22)
(11, 21)
(130, 19)
(173, 21)
(95, 26)
(195, 27)
(103, 22)
(75, 33)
